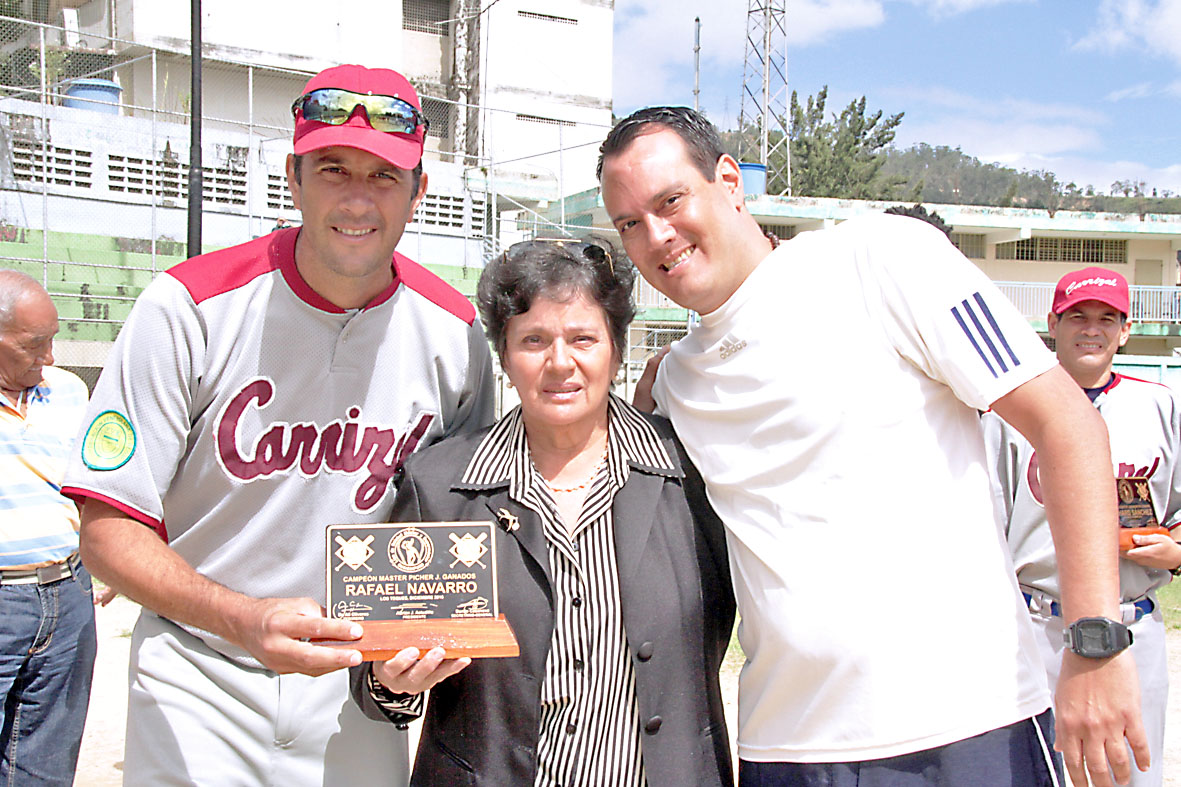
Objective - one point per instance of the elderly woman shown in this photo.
(612, 565)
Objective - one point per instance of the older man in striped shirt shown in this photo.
(47, 637)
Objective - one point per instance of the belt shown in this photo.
(45, 575)
(1129, 613)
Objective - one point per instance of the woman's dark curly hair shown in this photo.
(558, 268)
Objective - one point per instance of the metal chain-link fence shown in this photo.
(94, 165)
(94, 142)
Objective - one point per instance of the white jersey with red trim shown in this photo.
(1144, 423)
(831, 406)
(240, 413)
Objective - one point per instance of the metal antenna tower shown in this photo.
(696, 63)
(764, 92)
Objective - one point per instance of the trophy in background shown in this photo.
(1137, 517)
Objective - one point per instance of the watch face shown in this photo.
(1098, 638)
(1093, 636)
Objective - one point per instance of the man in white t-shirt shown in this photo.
(829, 397)
(1089, 323)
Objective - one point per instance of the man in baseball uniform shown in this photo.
(256, 395)
(829, 397)
(1089, 323)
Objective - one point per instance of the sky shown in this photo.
(1087, 89)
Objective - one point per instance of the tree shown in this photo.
(843, 156)
(950, 176)
(1129, 188)
(1010, 194)
(1045, 191)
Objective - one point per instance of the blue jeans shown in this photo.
(47, 648)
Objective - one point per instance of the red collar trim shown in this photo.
(285, 247)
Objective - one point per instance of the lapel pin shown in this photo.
(508, 521)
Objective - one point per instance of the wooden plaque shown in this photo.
(421, 584)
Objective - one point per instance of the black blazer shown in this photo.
(481, 726)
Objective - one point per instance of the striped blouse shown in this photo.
(590, 725)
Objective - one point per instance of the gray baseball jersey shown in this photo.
(240, 412)
(1144, 422)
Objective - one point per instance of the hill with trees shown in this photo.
(851, 155)
(948, 175)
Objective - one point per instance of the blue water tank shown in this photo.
(754, 178)
(97, 95)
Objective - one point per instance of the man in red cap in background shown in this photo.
(1089, 323)
(256, 395)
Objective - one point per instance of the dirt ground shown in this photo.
(101, 761)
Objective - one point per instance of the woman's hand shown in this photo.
(1155, 551)
(406, 673)
(642, 398)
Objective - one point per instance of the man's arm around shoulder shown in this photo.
(134, 561)
(1097, 703)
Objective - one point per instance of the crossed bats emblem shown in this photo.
(468, 549)
(354, 552)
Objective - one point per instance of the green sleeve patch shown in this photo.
(109, 441)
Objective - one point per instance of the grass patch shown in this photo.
(1170, 604)
(734, 658)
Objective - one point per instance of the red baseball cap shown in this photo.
(401, 150)
(1091, 284)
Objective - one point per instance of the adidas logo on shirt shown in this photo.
(984, 333)
(730, 346)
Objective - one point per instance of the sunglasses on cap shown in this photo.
(335, 106)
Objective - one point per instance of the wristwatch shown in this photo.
(1096, 638)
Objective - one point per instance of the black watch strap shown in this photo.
(1096, 638)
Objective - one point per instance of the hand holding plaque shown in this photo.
(419, 585)
(1137, 516)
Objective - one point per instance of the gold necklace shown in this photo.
(586, 482)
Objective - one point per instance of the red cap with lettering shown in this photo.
(1091, 284)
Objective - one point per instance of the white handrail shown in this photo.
(1149, 304)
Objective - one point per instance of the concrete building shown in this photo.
(1026, 252)
(94, 177)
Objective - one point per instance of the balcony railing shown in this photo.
(1149, 304)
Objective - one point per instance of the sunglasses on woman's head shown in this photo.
(592, 251)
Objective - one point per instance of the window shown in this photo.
(66, 166)
(648, 337)
(781, 231)
(1105, 251)
(446, 210)
(426, 16)
(970, 244)
(278, 197)
(564, 20)
(1100, 251)
(170, 179)
(540, 119)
